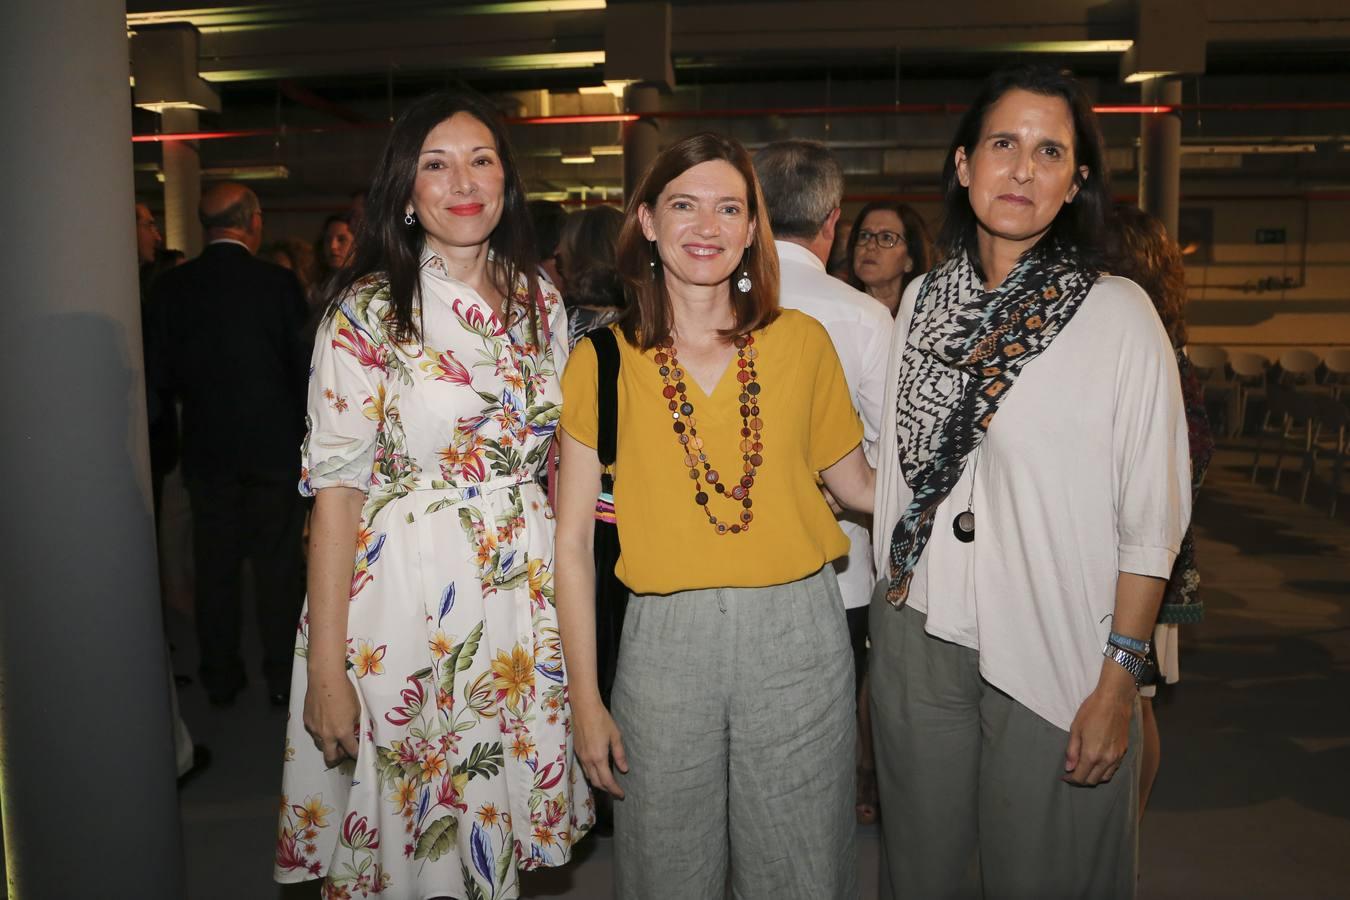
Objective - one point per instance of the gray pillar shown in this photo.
(90, 806)
(182, 184)
(1160, 153)
(641, 139)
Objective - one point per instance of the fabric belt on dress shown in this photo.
(431, 500)
(492, 485)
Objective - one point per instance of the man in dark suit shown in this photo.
(226, 342)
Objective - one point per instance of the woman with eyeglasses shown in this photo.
(887, 249)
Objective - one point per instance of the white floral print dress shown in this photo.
(465, 770)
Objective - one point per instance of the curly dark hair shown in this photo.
(586, 250)
(1140, 249)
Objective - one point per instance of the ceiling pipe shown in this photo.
(890, 109)
(305, 97)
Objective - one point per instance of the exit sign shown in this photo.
(1270, 235)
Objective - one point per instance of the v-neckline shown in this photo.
(708, 395)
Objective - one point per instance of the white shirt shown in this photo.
(860, 329)
(1084, 473)
(230, 241)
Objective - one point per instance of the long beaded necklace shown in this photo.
(686, 431)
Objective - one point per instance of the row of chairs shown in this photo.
(1231, 380)
(1311, 421)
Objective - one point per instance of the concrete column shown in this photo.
(87, 788)
(641, 139)
(1160, 153)
(182, 184)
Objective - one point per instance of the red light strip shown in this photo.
(201, 135)
(1133, 109)
(604, 119)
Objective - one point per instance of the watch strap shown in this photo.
(1138, 666)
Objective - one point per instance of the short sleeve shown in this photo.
(1150, 445)
(340, 415)
(835, 428)
(579, 394)
(871, 387)
(557, 315)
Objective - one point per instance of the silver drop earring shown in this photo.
(743, 284)
(409, 219)
(652, 263)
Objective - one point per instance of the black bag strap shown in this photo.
(607, 394)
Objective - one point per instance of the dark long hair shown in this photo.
(1079, 229)
(586, 253)
(918, 244)
(1141, 250)
(391, 250)
(647, 320)
(326, 272)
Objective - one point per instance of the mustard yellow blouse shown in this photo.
(809, 425)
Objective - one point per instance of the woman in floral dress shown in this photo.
(429, 749)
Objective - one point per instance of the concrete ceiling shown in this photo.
(342, 67)
(260, 40)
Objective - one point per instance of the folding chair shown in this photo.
(1333, 429)
(1337, 375)
(1298, 367)
(1249, 371)
(1210, 365)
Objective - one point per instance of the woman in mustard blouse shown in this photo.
(731, 735)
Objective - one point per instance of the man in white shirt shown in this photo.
(803, 187)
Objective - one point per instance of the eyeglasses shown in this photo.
(885, 239)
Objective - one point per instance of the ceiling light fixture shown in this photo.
(1137, 77)
(1257, 149)
(240, 173)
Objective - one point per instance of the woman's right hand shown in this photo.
(594, 737)
(333, 716)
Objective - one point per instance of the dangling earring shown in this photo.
(652, 263)
(743, 284)
(409, 219)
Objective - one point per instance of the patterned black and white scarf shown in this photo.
(965, 349)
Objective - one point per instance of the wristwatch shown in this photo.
(1140, 667)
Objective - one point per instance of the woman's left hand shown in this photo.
(1100, 733)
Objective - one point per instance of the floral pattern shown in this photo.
(1181, 600)
(464, 773)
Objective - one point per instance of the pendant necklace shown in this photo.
(963, 526)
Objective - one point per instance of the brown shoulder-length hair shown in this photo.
(1140, 249)
(647, 320)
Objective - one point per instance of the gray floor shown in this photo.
(1254, 795)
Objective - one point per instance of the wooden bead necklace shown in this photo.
(686, 430)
